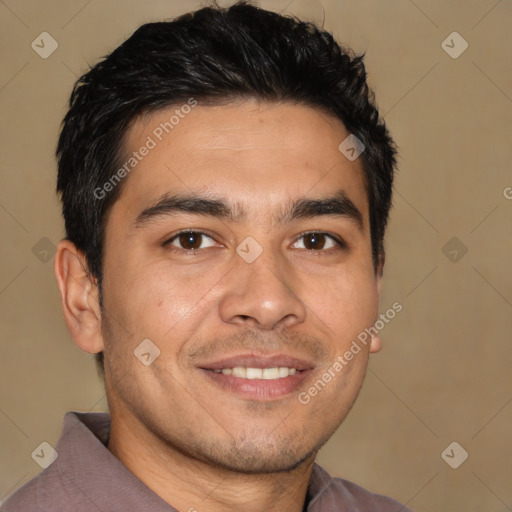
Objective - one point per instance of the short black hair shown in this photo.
(215, 55)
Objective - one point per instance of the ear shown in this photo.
(376, 342)
(80, 297)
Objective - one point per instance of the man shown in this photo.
(226, 183)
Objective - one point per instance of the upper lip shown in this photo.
(258, 361)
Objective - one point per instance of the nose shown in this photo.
(260, 294)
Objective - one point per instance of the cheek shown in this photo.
(158, 298)
(350, 304)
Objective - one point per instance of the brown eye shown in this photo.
(317, 242)
(191, 240)
(314, 241)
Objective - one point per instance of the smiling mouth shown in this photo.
(277, 372)
(258, 382)
(258, 377)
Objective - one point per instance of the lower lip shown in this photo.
(259, 389)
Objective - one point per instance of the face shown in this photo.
(240, 247)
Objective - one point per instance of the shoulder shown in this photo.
(24, 498)
(41, 494)
(52, 490)
(365, 499)
(340, 494)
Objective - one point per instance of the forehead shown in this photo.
(258, 154)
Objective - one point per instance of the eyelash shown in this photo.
(341, 244)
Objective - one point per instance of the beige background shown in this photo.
(444, 374)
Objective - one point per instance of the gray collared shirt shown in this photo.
(87, 477)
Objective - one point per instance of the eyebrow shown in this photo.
(339, 205)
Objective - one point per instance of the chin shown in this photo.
(253, 456)
(261, 463)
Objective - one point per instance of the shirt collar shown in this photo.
(90, 470)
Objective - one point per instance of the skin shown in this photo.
(195, 444)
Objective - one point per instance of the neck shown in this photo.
(192, 485)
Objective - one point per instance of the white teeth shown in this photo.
(271, 373)
(259, 373)
(239, 372)
(254, 373)
(283, 371)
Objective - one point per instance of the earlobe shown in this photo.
(375, 345)
(79, 296)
